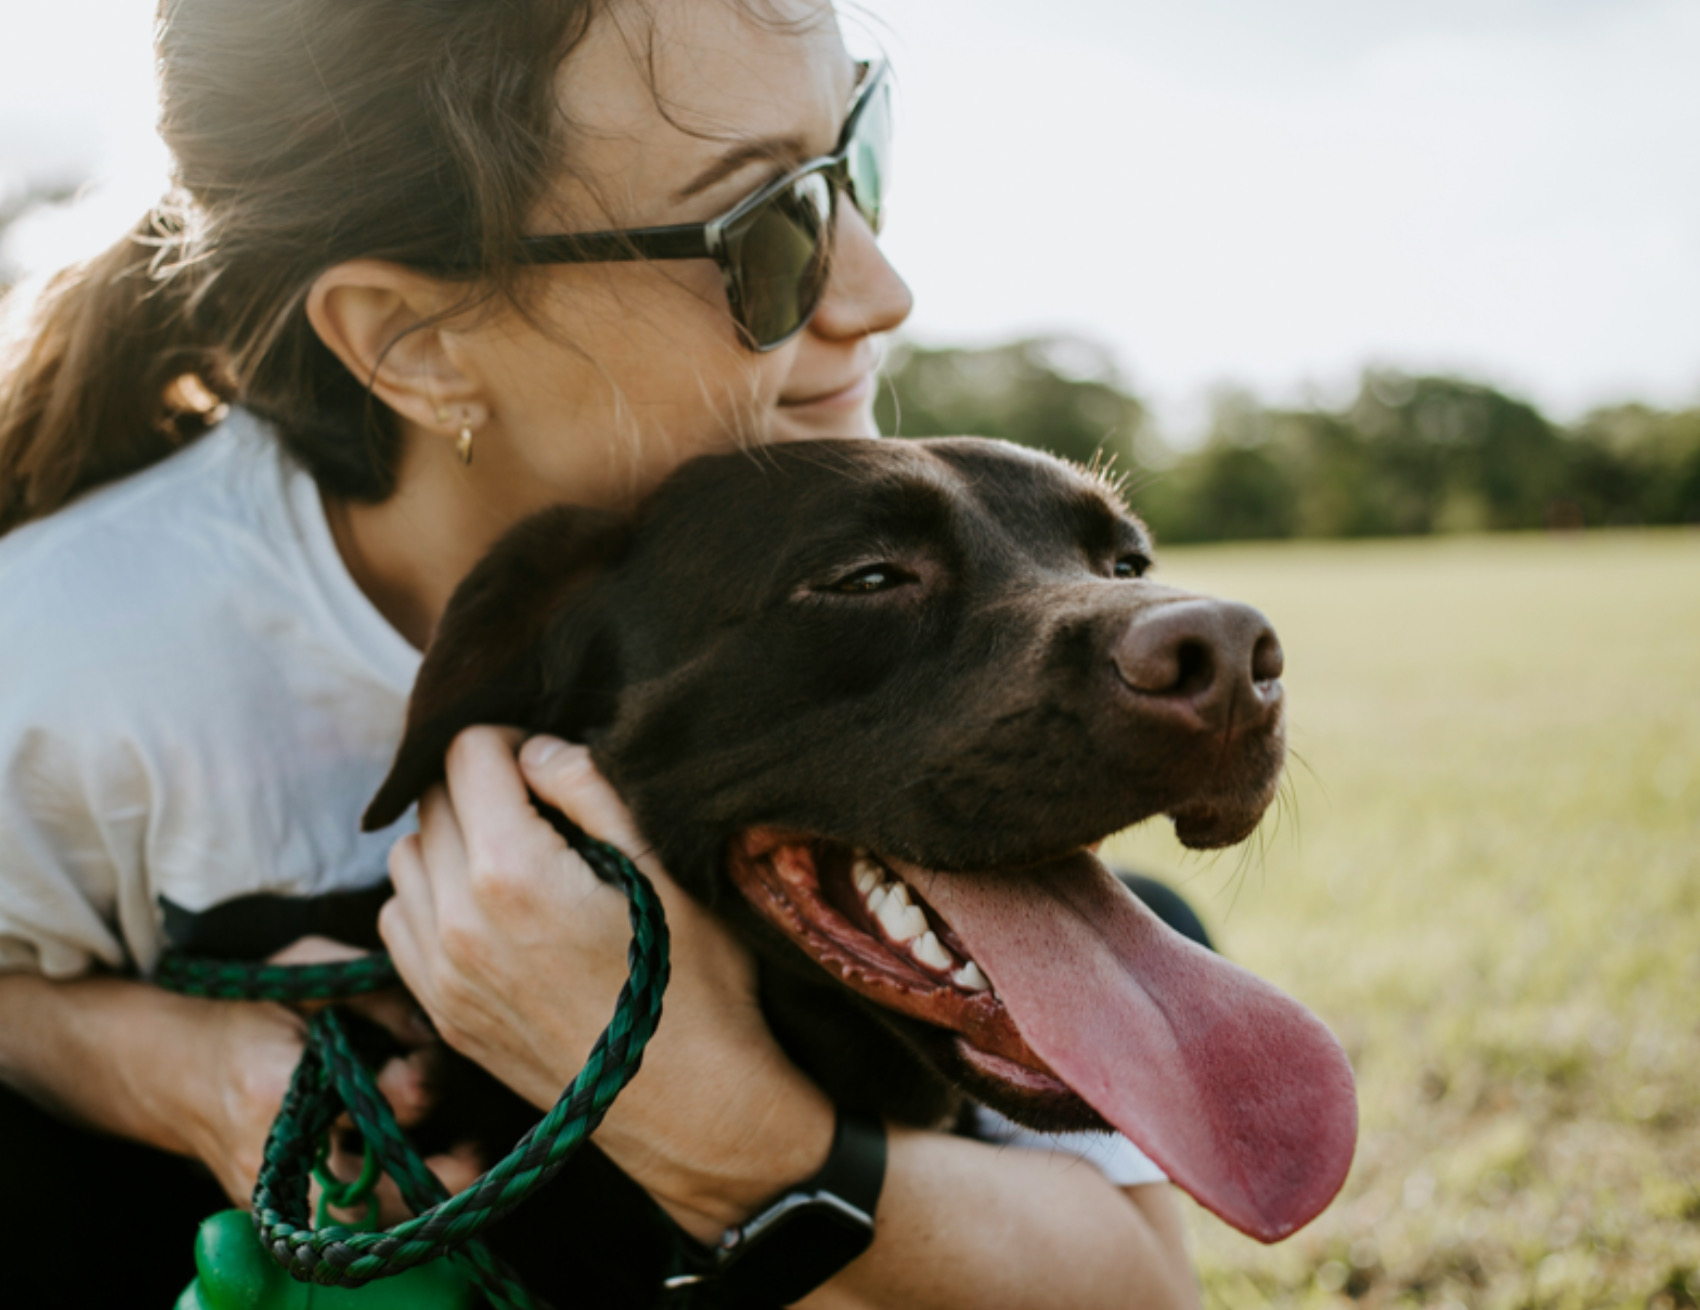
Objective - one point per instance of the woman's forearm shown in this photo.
(193, 1077)
(84, 1049)
(964, 1224)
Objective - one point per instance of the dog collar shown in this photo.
(799, 1240)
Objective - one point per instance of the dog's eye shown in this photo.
(1132, 566)
(875, 577)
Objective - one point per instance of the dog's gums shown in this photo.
(876, 934)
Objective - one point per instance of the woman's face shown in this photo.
(628, 369)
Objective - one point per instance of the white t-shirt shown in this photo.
(198, 701)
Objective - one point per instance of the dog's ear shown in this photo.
(519, 635)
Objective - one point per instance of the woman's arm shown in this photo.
(194, 1077)
(502, 932)
(966, 1224)
(201, 1078)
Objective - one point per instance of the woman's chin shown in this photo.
(823, 419)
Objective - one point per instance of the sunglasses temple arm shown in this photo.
(689, 241)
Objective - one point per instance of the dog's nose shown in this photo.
(1219, 658)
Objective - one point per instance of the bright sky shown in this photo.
(1223, 191)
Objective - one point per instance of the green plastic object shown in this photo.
(233, 1272)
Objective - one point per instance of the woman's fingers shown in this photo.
(503, 832)
(494, 862)
(480, 771)
(456, 1171)
(563, 774)
(405, 1082)
(315, 950)
(345, 1162)
(458, 1168)
(407, 923)
(396, 1013)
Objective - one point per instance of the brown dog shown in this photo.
(873, 701)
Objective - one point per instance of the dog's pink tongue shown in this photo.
(1240, 1093)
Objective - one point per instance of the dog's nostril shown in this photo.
(1267, 660)
(1213, 655)
(1195, 668)
(1173, 652)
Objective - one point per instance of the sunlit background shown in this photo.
(1485, 871)
(1220, 191)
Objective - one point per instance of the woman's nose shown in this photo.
(864, 295)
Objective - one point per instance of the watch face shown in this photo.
(791, 1249)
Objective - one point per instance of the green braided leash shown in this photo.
(331, 1078)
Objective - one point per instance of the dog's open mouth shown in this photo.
(875, 932)
(1059, 984)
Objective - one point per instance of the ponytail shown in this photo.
(302, 133)
(110, 374)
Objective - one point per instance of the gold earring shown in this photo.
(463, 443)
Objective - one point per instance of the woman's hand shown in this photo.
(404, 1079)
(518, 951)
(249, 1057)
(247, 1052)
(185, 1074)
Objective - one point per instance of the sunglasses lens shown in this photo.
(869, 156)
(778, 259)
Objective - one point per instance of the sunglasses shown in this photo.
(774, 247)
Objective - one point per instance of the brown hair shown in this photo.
(303, 133)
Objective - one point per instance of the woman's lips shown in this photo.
(856, 393)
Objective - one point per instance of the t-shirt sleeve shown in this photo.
(1111, 1154)
(62, 839)
(75, 791)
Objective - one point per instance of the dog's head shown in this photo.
(873, 701)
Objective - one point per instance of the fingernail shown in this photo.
(540, 750)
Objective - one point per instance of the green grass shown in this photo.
(1485, 877)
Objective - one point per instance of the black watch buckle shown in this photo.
(805, 1237)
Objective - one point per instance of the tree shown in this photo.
(1057, 394)
(1409, 455)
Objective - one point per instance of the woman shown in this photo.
(217, 645)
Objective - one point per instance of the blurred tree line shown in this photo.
(1409, 455)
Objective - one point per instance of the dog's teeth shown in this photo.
(969, 976)
(929, 951)
(876, 898)
(900, 894)
(902, 922)
(865, 874)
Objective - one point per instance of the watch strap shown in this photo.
(855, 1166)
(802, 1238)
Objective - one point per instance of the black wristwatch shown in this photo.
(799, 1241)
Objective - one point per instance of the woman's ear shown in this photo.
(389, 326)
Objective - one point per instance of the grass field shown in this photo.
(1486, 878)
